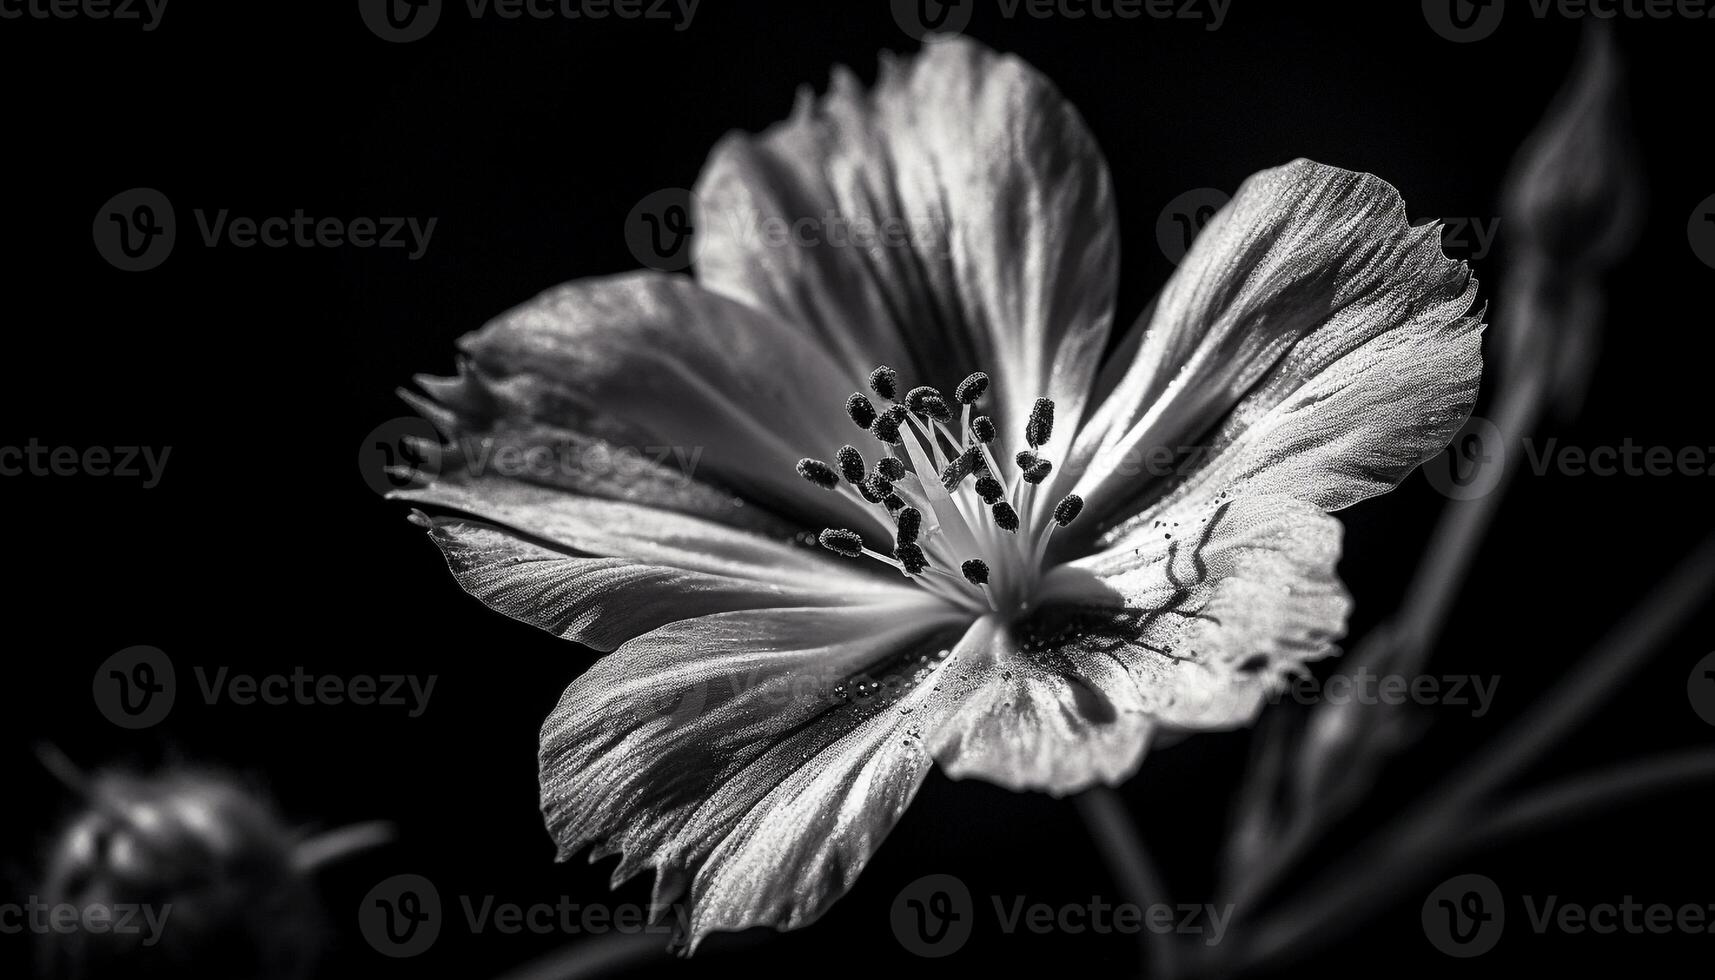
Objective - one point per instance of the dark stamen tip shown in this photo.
(879, 486)
(976, 571)
(972, 388)
(841, 541)
(1004, 516)
(891, 467)
(910, 522)
(851, 464)
(912, 558)
(819, 473)
(982, 429)
(1036, 474)
(886, 426)
(1040, 428)
(861, 411)
(884, 381)
(1068, 509)
(990, 489)
(893, 502)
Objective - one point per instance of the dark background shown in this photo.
(530, 141)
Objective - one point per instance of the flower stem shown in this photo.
(1116, 836)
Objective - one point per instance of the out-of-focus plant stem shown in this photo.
(1115, 835)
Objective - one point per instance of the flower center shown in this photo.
(963, 523)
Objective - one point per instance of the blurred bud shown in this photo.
(205, 869)
(1571, 209)
(1575, 192)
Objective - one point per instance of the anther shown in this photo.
(910, 522)
(912, 557)
(861, 411)
(878, 485)
(841, 541)
(819, 473)
(886, 425)
(851, 464)
(976, 571)
(990, 489)
(1068, 509)
(891, 467)
(1034, 475)
(1004, 516)
(893, 502)
(925, 400)
(982, 429)
(972, 388)
(1040, 428)
(884, 381)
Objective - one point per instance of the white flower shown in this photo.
(765, 710)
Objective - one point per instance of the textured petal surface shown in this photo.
(1210, 608)
(957, 217)
(1311, 330)
(755, 759)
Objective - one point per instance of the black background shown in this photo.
(264, 369)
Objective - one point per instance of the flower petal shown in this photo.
(656, 362)
(755, 759)
(1214, 609)
(1310, 311)
(995, 244)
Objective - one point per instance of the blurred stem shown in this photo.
(1116, 837)
(605, 956)
(1393, 857)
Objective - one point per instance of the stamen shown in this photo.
(861, 411)
(851, 464)
(967, 462)
(841, 541)
(972, 388)
(819, 473)
(893, 502)
(886, 425)
(912, 558)
(891, 467)
(925, 400)
(1040, 428)
(982, 429)
(1036, 474)
(1068, 509)
(990, 489)
(976, 571)
(878, 485)
(1004, 516)
(910, 523)
(884, 381)
(868, 493)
